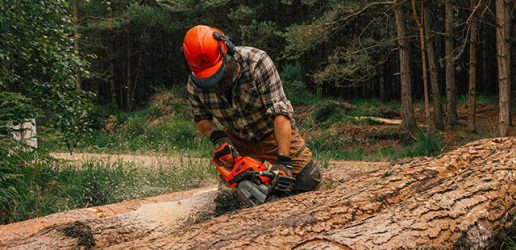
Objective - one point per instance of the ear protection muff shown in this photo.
(229, 45)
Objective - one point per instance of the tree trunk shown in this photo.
(503, 48)
(436, 93)
(472, 70)
(429, 122)
(129, 70)
(460, 213)
(76, 46)
(485, 70)
(407, 108)
(451, 94)
(112, 81)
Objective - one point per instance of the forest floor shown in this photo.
(373, 141)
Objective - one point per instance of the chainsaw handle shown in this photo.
(252, 175)
(267, 174)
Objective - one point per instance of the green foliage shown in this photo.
(328, 142)
(16, 108)
(143, 16)
(294, 87)
(426, 145)
(322, 111)
(374, 107)
(480, 99)
(37, 60)
(510, 242)
(329, 146)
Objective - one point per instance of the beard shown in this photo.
(231, 75)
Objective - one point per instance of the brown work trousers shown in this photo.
(266, 149)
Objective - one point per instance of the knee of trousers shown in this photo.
(309, 178)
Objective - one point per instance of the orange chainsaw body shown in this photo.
(241, 165)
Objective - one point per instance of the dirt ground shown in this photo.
(149, 217)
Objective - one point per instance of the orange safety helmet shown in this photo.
(206, 50)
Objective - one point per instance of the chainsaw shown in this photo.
(249, 177)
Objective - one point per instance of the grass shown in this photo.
(509, 243)
(44, 186)
(326, 147)
(481, 99)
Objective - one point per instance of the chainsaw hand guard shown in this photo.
(225, 154)
(283, 185)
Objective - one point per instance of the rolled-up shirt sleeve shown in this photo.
(199, 111)
(270, 88)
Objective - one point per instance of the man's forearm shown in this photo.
(282, 131)
(206, 127)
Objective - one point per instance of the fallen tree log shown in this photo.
(464, 198)
(474, 209)
(380, 120)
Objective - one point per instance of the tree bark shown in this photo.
(460, 213)
(451, 94)
(129, 70)
(472, 73)
(407, 108)
(76, 46)
(112, 81)
(434, 81)
(421, 30)
(503, 48)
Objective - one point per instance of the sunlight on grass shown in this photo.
(55, 186)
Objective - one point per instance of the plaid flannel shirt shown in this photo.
(257, 98)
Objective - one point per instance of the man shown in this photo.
(241, 88)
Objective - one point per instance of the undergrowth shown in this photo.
(165, 126)
(327, 147)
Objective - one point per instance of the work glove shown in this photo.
(284, 181)
(224, 151)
